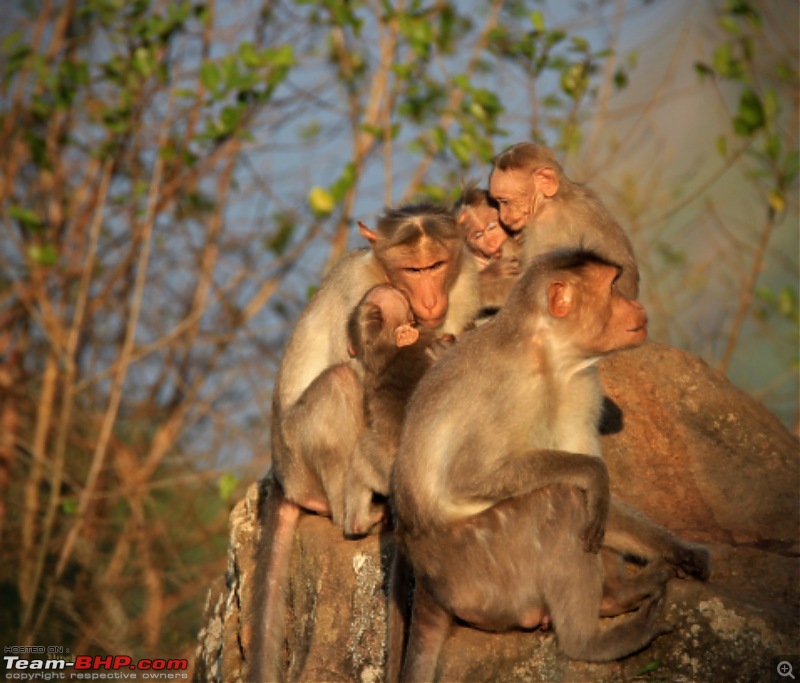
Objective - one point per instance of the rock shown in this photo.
(687, 448)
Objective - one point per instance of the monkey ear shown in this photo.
(351, 351)
(559, 299)
(546, 180)
(405, 335)
(367, 234)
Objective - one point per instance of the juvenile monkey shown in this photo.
(499, 487)
(394, 354)
(494, 253)
(536, 199)
(317, 407)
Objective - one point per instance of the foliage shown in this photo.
(769, 140)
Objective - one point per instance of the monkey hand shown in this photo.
(693, 561)
(597, 502)
(439, 346)
(505, 266)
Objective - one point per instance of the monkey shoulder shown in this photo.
(319, 338)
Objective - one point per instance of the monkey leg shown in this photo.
(630, 532)
(279, 518)
(577, 595)
(622, 593)
(584, 638)
(320, 432)
(361, 514)
(430, 626)
(522, 562)
(367, 475)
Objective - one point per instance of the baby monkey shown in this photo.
(394, 353)
(494, 250)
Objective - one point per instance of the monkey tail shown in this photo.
(397, 620)
(430, 626)
(279, 517)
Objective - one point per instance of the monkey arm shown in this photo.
(516, 476)
(495, 284)
(632, 533)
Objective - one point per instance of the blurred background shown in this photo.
(176, 177)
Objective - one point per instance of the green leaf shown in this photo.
(26, 217)
(776, 201)
(44, 254)
(537, 20)
(787, 302)
(321, 201)
(751, 114)
(344, 182)
(210, 76)
(279, 241)
(226, 485)
(580, 44)
(462, 149)
(703, 70)
(730, 25)
(282, 56)
(647, 668)
(574, 80)
(722, 145)
(248, 55)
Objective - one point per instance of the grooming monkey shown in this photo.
(317, 411)
(501, 495)
(549, 211)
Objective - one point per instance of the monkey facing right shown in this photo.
(501, 494)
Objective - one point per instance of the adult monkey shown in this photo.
(536, 198)
(317, 401)
(499, 486)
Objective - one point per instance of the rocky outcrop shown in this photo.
(684, 446)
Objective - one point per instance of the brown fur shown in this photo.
(499, 486)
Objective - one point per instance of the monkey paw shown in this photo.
(693, 561)
(440, 346)
(592, 535)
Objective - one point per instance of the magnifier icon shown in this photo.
(785, 669)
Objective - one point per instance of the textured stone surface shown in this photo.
(693, 452)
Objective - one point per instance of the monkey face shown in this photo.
(424, 274)
(600, 319)
(514, 192)
(617, 322)
(484, 234)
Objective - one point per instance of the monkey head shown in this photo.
(420, 249)
(482, 230)
(522, 178)
(569, 298)
(380, 324)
